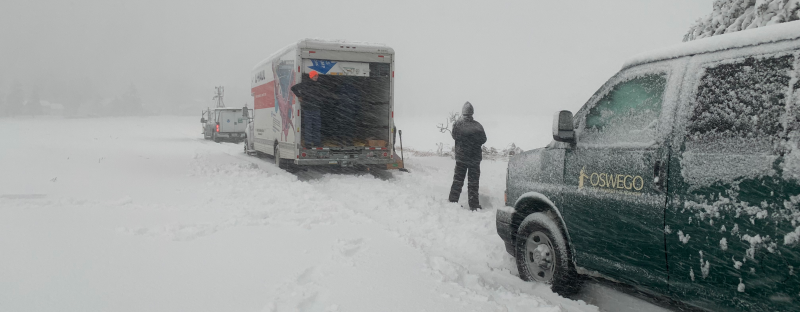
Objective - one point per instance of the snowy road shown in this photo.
(141, 214)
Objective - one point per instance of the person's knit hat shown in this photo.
(467, 110)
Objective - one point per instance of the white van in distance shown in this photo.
(224, 124)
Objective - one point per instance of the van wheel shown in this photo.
(542, 255)
(245, 146)
(214, 136)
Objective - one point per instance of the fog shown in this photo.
(508, 58)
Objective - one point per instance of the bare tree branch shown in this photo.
(445, 127)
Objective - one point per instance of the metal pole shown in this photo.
(401, 152)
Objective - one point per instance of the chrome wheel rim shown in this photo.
(539, 257)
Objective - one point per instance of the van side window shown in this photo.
(743, 99)
(736, 129)
(628, 113)
(741, 104)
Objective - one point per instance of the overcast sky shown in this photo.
(506, 57)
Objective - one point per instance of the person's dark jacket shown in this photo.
(314, 94)
(469, 137)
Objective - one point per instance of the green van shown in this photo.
(680, 176)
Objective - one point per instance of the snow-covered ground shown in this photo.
(142, 214)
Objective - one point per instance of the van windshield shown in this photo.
(628, 113)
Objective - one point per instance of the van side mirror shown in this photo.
(563, 130)
(245, 112)
(202, 120)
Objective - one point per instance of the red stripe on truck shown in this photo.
(264, 95)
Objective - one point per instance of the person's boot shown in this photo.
(454, 194)
(474, 203)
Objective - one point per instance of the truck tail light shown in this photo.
(303, 154)
(385, 154)
(217, 127)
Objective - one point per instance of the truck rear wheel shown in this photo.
(542, 254)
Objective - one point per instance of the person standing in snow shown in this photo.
(314, 95)
(469, 137)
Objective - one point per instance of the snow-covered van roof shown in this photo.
(750, 37)
(335, 45)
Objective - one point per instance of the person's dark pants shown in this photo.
(472, 171)
(311, 127)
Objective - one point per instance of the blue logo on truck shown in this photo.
(322, 66)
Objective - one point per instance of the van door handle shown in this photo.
(657, 174)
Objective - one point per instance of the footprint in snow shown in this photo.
(309, 275)
(316, 302)
(349, 248)
(302, 294)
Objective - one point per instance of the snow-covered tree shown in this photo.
(511, 150)
(734, 15)
(75, 95)
(33, 106)
(128, 104)
(15, 100)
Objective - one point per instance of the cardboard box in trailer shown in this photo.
(356, 114)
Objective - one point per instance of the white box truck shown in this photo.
(224, 124)
(277, 127)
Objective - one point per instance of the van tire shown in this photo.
(543, 255)
(215, 138)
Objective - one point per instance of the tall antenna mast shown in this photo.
(219, 94)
